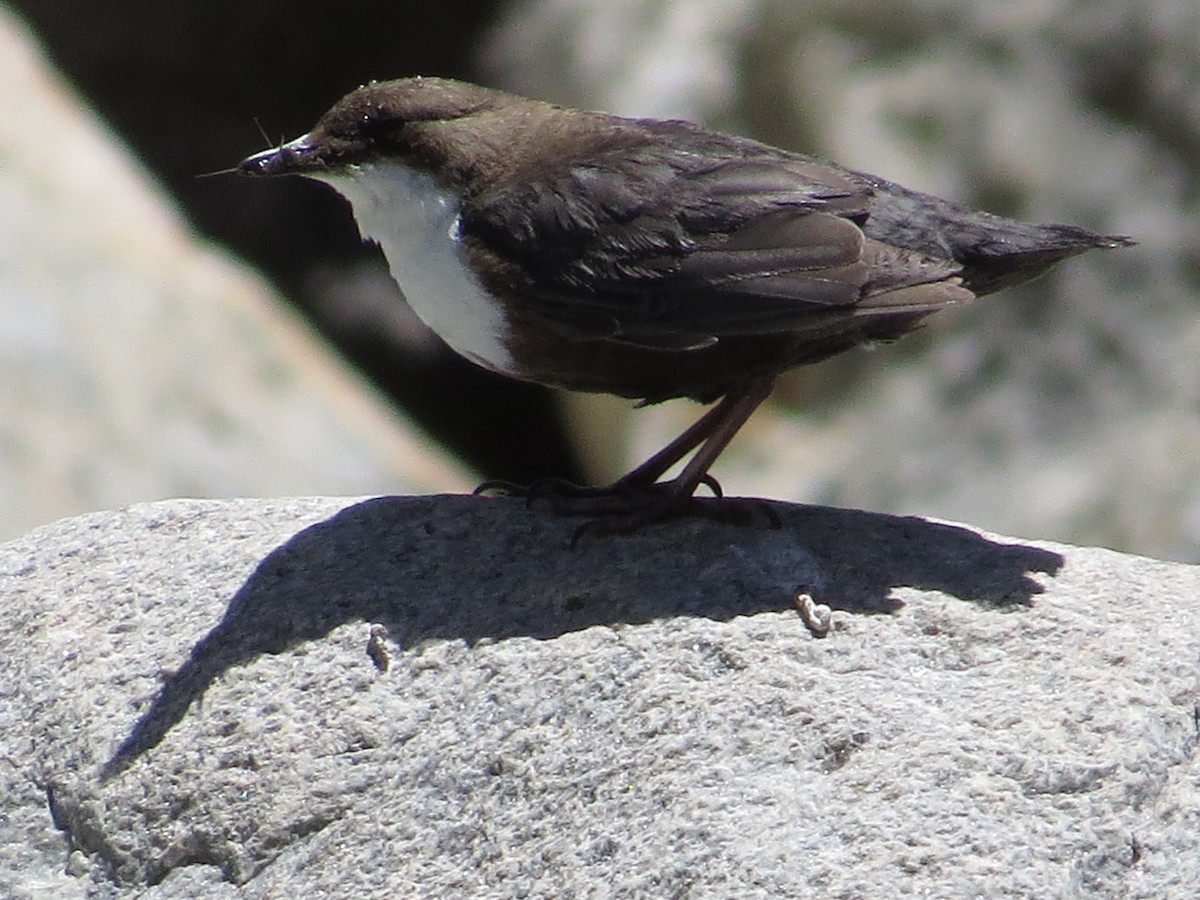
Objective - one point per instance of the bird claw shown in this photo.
(542, 488)
(498, 487)
(713, 485)
(626, 506)
(627, 512)
(652, 507)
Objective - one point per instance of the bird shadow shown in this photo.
(472, 568)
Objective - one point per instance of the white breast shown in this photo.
(415, 222)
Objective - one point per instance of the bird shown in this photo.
(646, 258)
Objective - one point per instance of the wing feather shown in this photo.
(677, 246)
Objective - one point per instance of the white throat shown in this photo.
(415, 222)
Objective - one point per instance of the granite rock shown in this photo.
(438, 697)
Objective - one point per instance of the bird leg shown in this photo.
(636, 481)
(696, 434)
(639, 498)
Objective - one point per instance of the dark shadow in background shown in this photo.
(422, 567)
(187, 85)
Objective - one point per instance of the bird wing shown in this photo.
(678, 244)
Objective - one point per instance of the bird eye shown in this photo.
(377, 123)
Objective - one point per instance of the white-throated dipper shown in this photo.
(646, 258)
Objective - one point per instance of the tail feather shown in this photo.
(994, 252)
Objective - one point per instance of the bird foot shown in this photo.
(565, 495)
(629, 514)
(626, 506)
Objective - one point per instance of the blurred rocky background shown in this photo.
(1068, 409)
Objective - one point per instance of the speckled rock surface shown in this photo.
(189, 708)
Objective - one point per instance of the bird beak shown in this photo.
(293, 158)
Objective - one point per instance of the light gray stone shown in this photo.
(188, 708)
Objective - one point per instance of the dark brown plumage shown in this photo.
(655, 259)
